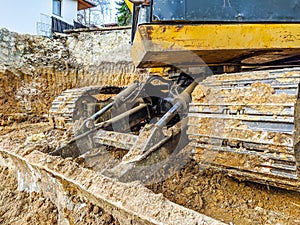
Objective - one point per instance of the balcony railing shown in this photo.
(59, 25)
(50, 24)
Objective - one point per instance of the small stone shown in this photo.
(49, 160)
(260, 204)
(199, 201)
(75, 200)
(96, 210)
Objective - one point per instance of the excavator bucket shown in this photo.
(248, 125)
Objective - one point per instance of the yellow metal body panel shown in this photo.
(130, 5)
(158, 45)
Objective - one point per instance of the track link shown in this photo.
(72, 104)
(248, 124)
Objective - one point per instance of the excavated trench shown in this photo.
(72, 193)
(76, 192)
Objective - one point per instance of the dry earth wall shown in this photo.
(34, 69)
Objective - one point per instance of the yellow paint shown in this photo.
(130, 5)
(160, 71)
(214, 41)
(233, 36)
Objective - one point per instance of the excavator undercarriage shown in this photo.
(243, 121)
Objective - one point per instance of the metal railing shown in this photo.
(59, 25)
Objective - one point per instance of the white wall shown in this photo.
(22, 16)
(69, 11)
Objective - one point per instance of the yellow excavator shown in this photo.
(224, 75)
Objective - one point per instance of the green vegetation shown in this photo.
(124, 14)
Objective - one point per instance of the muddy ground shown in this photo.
(208, 192)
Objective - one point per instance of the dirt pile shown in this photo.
(26, 137)
(25, 97)
(211, 193)
(20, 207)
(23, 208)
(130, 202)
(221, 197)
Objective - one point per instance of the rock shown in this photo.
(96, 209)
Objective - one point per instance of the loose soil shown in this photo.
(19, 207)
(209, 192)
(23, 208)
(219, 196)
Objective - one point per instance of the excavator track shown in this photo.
(248, 125)
(73, 104)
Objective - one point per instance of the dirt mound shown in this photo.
(211, 193)
(22, 208)
(229, 200)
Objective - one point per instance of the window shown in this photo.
(56, 7)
